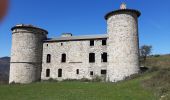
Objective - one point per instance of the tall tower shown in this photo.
(26, 53)
(123, 43)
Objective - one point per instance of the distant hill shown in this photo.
(4, 69)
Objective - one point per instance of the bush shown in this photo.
(157, 55)
(97, 78)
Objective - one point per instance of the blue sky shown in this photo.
(82, 17)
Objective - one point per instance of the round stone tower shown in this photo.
(123, 43)
(26, 53)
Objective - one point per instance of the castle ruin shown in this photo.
(113, 56)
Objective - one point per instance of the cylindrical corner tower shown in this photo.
(123, 43)
(26, 53)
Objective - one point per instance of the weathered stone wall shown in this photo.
(123, 46)
(77, 57)
(26, 54)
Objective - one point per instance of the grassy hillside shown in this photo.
(158, 61)
(127, 90)
(151, 85)
(159, 83)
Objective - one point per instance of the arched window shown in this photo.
(104, 57)
(47, 72)
(91, 57)
(63, 57)
(59, 72)
(48, 58)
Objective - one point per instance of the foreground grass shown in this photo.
(126, 90)
(150, 86)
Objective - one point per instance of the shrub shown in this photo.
(157, 55)
(97, 78)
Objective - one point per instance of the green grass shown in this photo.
(147, 86)
(125, 90)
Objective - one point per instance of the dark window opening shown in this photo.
(92, 57)
(59, 72)
(47, 45)
(104, 57)
(47, 72)
(91, 42)
(103, 72)
(104, 42)
(48, 58)
(61, 44)
(63, 58)
(91, 73)
(77, 71)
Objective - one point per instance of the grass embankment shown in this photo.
(147, 86)
(159, 83)
(125, 90)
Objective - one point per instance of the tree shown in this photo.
(145, 51)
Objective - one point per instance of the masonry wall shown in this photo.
(26, 55)
(123, 46)
(77, 57)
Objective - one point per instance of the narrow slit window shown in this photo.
(59, 72)
(48, 60)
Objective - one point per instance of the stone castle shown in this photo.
(112, 56)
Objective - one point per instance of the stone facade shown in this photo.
(26, 54)
(115, 54)
(123, 45)
(77, 57)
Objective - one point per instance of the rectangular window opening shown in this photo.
(91, 42)
(63, 58)
(104, 57)
(104, 42)
(103, 72)
(77, 71)
(92, 57)
(91, 73)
